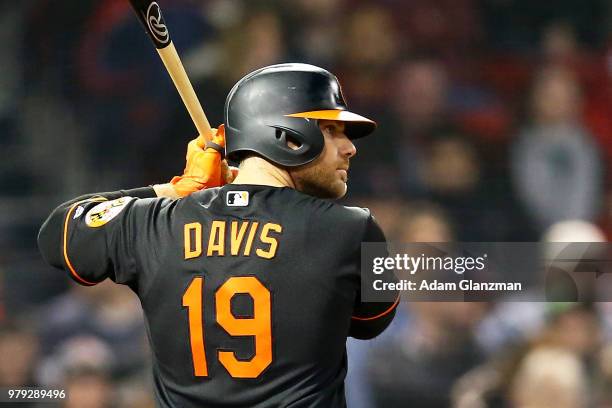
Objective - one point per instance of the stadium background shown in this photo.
(495, 125)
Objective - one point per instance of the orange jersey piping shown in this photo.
(65, 242)
(389, 310)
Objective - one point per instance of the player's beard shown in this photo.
(318, 182)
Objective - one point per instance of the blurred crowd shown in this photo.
(495, 124)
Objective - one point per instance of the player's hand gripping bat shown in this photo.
(150, 16)
(203, 169)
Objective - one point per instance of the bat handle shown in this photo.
(177, 72)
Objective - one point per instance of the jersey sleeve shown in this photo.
(372, 318)
(92, 237)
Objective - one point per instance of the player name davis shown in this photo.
(234, 238)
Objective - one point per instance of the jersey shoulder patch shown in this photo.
(105, 211)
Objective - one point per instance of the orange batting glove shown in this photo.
(206, 166)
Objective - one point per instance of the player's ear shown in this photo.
(292, 143)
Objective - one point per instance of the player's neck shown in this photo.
(255, 170)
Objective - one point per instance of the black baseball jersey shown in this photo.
(249, 292)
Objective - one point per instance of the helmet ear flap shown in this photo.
(291, 139)
(281, 135)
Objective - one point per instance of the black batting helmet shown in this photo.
(285, 101)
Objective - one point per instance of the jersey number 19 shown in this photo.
(259, 326)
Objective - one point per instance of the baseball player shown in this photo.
(249, 289)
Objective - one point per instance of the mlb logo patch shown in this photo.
(237, 198)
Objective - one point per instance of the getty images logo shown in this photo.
(237, 198)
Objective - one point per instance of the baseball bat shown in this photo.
(150, 15)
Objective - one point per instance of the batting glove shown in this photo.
(206, 166)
